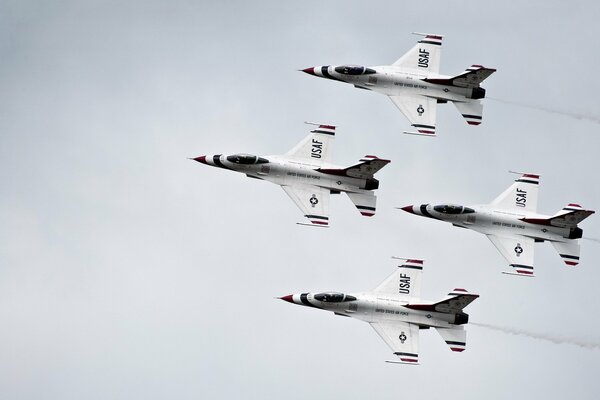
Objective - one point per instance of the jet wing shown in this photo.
(313, 201)
(402, 338)
(419, 110)
(405, 281)
(518, 251)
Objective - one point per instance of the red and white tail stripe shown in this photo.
(325, 129)
(456, 346)
(573, 207)
(529, 178)
(412, 264)
(369, 158)
(432, 39)
(366, 211)
(570, 260)
(472, 119)
(458, 292)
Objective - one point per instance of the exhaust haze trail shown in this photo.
(540, 336)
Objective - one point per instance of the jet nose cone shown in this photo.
(409, 209)
(201, 159)
(288, 298)
(310, 71)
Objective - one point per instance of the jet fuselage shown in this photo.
(376, 307)
(488, 220)
(284, 171)
(394, 81)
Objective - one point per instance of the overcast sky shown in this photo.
(128, 271)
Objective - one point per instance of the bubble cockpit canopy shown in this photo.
(354, 70)
(246, 159)
(334, 297)
(453, 209)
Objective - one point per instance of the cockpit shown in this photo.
(333, 297)
(354, 70)
(453, 209)
(246, 159)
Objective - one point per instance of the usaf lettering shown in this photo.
(317, 149)
(521, 198)
(423, 61)
(404, 284)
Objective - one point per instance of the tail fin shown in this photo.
(568, 217)
(366, 168)
(471, 111)
(453, 304)
(317, 147)
(521, 195)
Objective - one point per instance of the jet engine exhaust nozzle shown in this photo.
(478, 93)
(461, 319)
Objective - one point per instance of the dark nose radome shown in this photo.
(310, 71)
(288, 298)
(409, 209)
(201, 159)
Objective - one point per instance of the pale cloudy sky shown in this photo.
(128, 271)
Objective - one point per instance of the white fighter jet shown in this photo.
(414, 84)
(513, 225)
(306, 175)
(396, 312)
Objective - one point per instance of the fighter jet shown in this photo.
(306, 175)
(396, 312)
(513, 225)
(414, 84)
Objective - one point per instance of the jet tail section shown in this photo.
(568, 217)
(453, 304)
(470, 78)
(366, 168)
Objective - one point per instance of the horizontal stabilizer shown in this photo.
(364, 202)
(471, 111)
(366, 168)
(454, 303)
(568, 251)
(470, 78)
(455, 338)
(568, 217)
